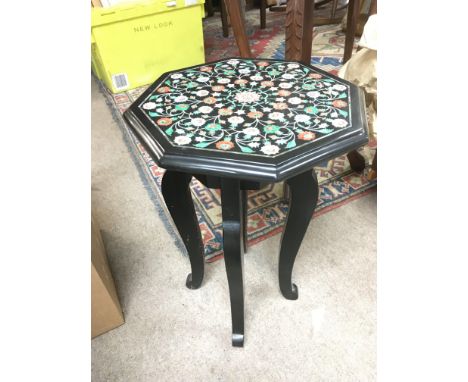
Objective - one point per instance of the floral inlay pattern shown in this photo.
(248, 106)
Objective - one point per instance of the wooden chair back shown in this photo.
(299, 27)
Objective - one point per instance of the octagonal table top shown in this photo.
(244, 112)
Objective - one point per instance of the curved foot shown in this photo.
(175, 188)
(190, 284)
(291, 294)
(231, 200)
(238, 340)
(304, 192)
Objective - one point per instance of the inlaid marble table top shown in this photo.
(245, 109)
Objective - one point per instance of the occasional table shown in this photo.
(235, 125)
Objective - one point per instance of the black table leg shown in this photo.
(303, 190)
(245, 217)
(176, 191)
(232, 241)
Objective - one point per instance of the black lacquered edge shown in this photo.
(244, 166)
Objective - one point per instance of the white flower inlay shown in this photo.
(203, 79)
(202, 93)
(270, 149)
(287, 76)
(205, 109)
(256, 78)
(302, 118)
(198, 122)
(340, 122)
(224, 80)
(251, 131)
(285, 85)
(276, 115)
(149, 105)
(176, 76)
(295, 100)
(180, 98)
(236, 120)
(339, 87)
(247, 97)
(314, 94)
(182, 140)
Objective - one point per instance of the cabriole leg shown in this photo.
(303, 195)
(176, 192)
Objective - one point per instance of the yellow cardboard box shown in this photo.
(133, 44)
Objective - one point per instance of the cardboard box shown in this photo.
(106, 313)
(132, 44)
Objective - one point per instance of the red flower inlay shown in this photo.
(210, 100)
(339, 103)
(306, 136)
(225, 111)
(164, 121)
(280, 106)
(224, 145)
(284, 93)
(255, 114)
(267, 83)
(164, 89)
(240, 82)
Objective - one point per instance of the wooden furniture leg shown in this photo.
(224, 18)
(262, 14)
(351, 23)
(304, 194)
(209, 8)
(175, 188)
(238, 26)
(299, 29)
(232, 242)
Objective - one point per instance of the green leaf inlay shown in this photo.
(343, 113)
(324, 131)
(246, 149)
(202, 144)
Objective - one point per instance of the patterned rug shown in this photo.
(267, 208)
